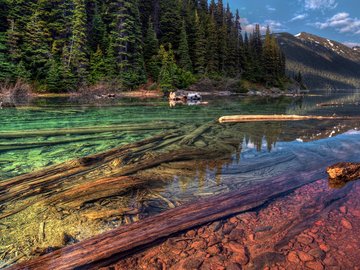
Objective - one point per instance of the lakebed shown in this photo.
(194, 157)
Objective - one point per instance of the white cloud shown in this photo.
(342, 22)
(270, 8)
(299, 17)
(275, 26)
(320, 4)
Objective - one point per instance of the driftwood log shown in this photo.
(343, 172)
(276, 118)
(108, 247)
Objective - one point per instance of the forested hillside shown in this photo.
(60, 45)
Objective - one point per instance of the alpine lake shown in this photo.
(174, 154)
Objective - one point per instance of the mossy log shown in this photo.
(106, 248)
(276, 118)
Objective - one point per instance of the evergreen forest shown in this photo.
(61, 45)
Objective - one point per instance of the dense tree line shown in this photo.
(62, 44)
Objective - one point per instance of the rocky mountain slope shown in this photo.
(324, 64)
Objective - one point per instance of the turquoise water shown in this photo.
(27, 152)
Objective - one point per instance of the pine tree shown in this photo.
(98, 67)
(6, 67)
(167, 77)
(200, 47)
(170, 23)
(77, 59)
(151, 49)
(183, 51)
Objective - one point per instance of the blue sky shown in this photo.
(335, 19)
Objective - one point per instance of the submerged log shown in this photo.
(106, 248)
(84, 130)
(262, 118)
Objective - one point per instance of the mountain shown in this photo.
(324, 63)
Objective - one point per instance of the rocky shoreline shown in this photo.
(282, 235)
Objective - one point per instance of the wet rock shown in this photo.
(346, 224)
(240, 253)
(191, 233)
(317, 253)
(235, 247)
(214, 250)
(305, 239)
(315, 265)
(237, 235)
(234, 266)
(268, 258)
(305, 257)
(343, 209)
(293, 257)
(263, 229)
(233, 220)
(200, 244)
(215, 226)
(251, 237)
(188, 264)
(213, 240)
(330, 261)
(324, 247)
(228, 228)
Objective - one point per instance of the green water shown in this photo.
(61, 113)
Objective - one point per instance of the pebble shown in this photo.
(330, 261)
(346, 224)
(318, 253)
(315, 265)
(234, 266)
(305, 239)
(343, 209)
(303, 256)
(201, 244)
(214, 250)
(233, 220)
(324, 247)
(293, 257)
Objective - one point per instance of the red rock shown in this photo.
(237, 235)
(213, 240)
(234, 266)
(346, 224)
(324, 247)
(293, 257)
(191, 233)
(343, 209)
(213, 250)
(330, 261)
(303, 256)
(252, 237)
(305, 239)
(200, 244)
(236, 247)
(315, 265)
(188, 264)
(355, 213)
(233, 220)
(317, 253)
